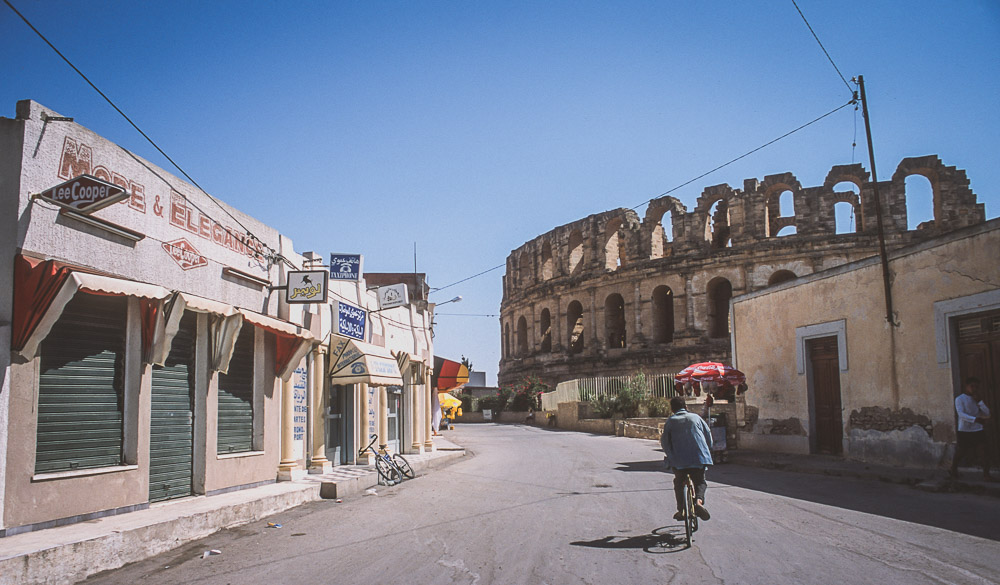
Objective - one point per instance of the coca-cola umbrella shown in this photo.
(710, 372)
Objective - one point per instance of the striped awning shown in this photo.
(357, 362)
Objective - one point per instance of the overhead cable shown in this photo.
(822, 47)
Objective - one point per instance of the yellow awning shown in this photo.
(357, 362)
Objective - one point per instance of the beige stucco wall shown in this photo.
(894, 368)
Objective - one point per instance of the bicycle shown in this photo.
(690, 517)
(391, 470)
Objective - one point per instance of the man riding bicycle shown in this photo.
(687, 444)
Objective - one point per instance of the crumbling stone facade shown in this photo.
(613, 293)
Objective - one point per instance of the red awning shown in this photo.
(293, 341)
(42, 288)
(448, 374)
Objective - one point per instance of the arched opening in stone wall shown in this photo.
(614, 252)
(575, 252)
(522, 337)
(663, 314)
(717, 230)
(524, 269)
(788, 230)
(844, 217)
(847, 210)
(719, 292)
(786, 204)
(780, 276)
(919, 203)
(574, 327)
(614, 320)
(545, 328)
(547, 262)
(506, 340)
(662, 236)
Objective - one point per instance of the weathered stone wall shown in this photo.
(614, 293)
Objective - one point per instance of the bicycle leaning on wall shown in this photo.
(391, 470)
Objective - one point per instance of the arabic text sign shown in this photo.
(307, 286)
(345, 266)
(351, 321)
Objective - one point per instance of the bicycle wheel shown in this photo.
(403, 465)
(690, 520)
(387, 473)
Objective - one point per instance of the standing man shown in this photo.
(687, 443)
(972, 414)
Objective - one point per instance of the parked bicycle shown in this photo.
(391, 470)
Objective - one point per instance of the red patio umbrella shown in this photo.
(710, 372)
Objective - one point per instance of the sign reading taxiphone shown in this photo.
(307, 286)
(345, 266)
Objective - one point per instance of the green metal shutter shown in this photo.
(236, 397)
(81, 386)
(171, 433)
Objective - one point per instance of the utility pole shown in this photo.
(878, 209)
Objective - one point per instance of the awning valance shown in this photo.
(223, 329)
(448, 374)
(294, 342)
(357, 362)
(43, 288)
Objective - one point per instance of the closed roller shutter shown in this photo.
(81, 386)
(236, 397)
(171, 436)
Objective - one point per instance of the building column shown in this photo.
(416, 445)
(319, 462)
(428, 414)
(362, 432)
(383, 418)
(288, 467)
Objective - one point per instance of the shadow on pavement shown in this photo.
(661, 541)
(970, 514)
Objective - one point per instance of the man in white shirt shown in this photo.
(972, 414)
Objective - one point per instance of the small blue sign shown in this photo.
(345, 267)
(351, 321)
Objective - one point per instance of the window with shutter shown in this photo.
(235, 418)
(81, 389)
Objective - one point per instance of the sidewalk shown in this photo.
(934, 480)
(69, 554)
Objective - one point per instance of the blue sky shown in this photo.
(468, 128)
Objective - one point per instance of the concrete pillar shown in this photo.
(428, 414)
(383, 418)
(417, 410)
(319, 462)
(288, 467)
(362, 433)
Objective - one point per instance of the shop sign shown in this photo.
(345, 267)
(84, 194)
(351, 321)
(300, 417)
(307, 286)
(392, 296)
(184, 254)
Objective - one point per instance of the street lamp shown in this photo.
(454, 300)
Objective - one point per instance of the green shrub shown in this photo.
(604, 406)
(658, 406)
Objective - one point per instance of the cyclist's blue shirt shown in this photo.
(686, 441)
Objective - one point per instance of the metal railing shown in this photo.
(656, 385)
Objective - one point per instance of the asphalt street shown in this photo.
(535, 506)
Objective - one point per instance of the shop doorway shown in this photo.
(339, 423)
(394, 408)
(825, 389)
(979, 357)
(171, 425)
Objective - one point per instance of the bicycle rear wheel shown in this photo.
(403, 465)
(386, 472)
(690, 520)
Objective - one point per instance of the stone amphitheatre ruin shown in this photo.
(612, 294)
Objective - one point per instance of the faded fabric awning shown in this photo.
(357, 362)
(42, 288)
(223, 328)
(294, 342)
(448, 374)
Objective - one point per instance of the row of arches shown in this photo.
(613, 318)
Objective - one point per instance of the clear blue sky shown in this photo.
(468, 128)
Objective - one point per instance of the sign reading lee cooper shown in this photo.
(184, 254)
(84, 194)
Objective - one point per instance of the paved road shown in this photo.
(531, 506)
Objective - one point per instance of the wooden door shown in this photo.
(979, 357)
(826, 394)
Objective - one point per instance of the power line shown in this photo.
(144, 135)
(824, 48)
(464, 315)
(433, 290)
(742, 156)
